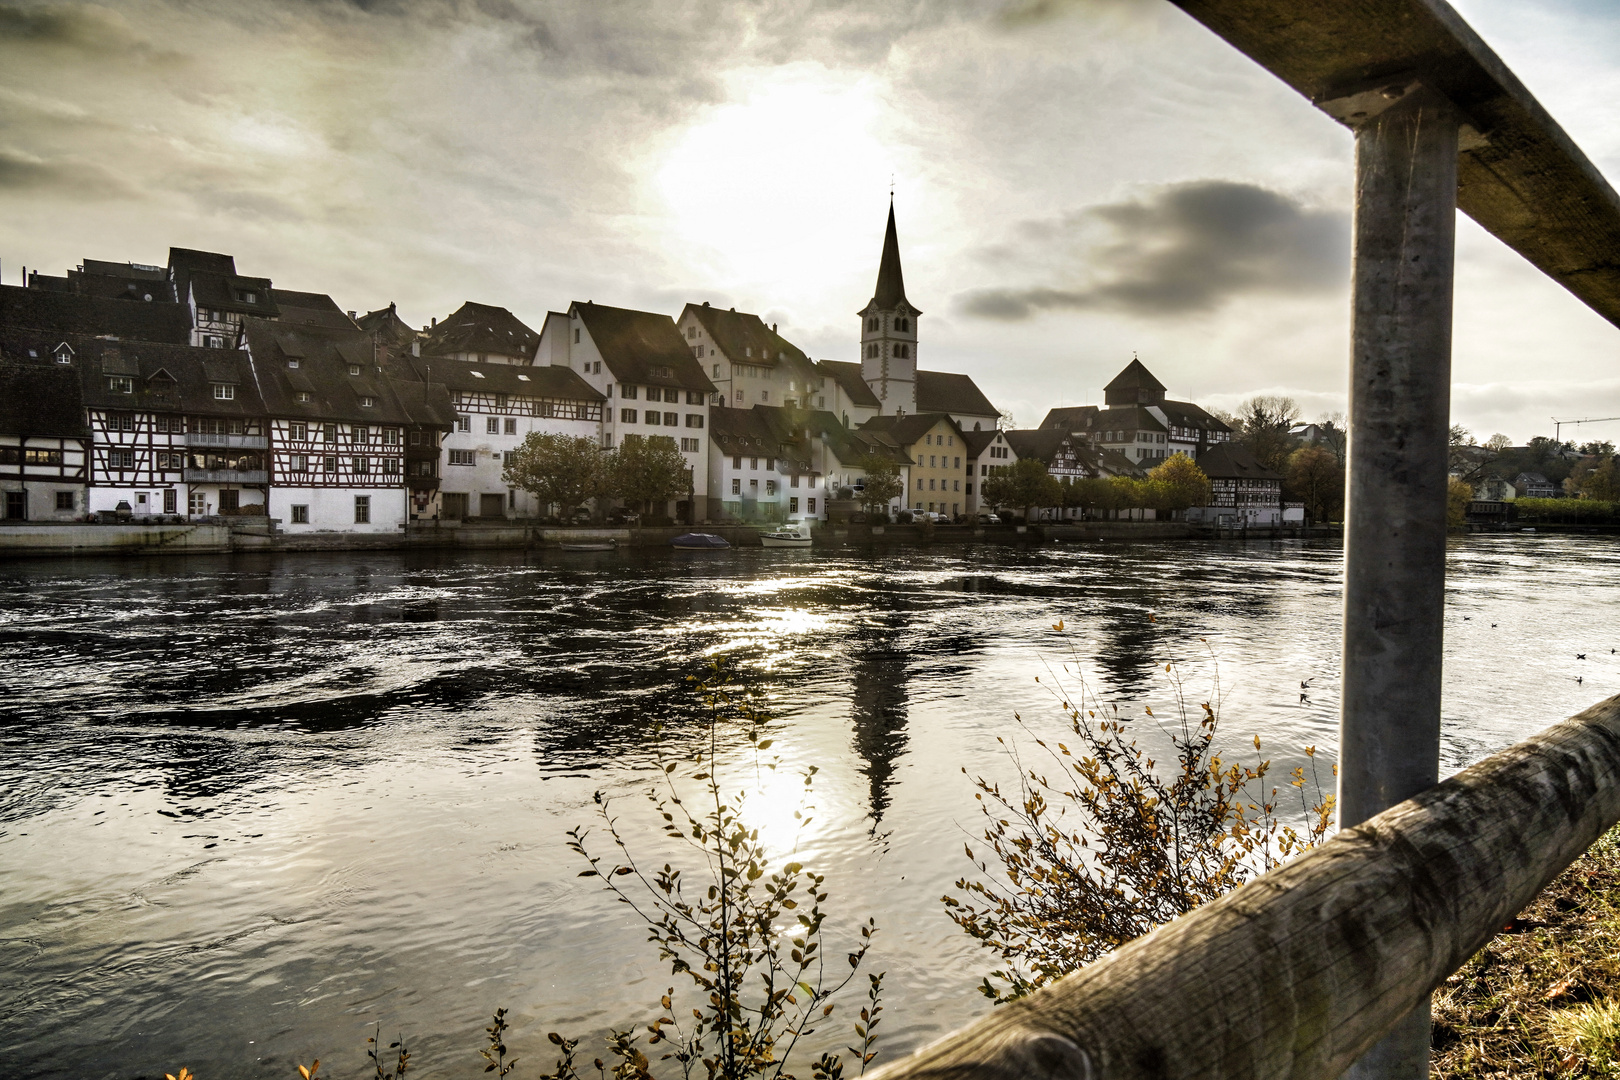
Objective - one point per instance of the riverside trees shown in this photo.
(570, 471)
(882, 485)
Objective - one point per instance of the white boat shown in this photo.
(795, 535)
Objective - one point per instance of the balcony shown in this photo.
(227, 476)
(239, 442)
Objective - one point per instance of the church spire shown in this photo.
(891, 284)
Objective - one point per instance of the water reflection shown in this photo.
(878, 711)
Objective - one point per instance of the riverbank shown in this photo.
(218, 536)
(1543, 998)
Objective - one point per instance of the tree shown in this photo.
(1498, 443)
(1184, 483)
(564, 470)
(1265, 421)
(648, 469)
(1024, 485)
(1598, 449)
(1458, 495)
(1602, 483)
(883, 483)
(1316, 478)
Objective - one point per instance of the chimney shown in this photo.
(435, 320)
(351, 316)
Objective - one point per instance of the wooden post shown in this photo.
(1298, 973)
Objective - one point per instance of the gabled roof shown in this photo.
(324, 357)
(166, 377)
(744, 338)
(310, 308)
(909, 429)
(890, 292)
(944, 391)
(1071, 418)
(1042, 444)
(518, 380)
(849, 379)
(979, 441)
(386, 326)
(1232, 461)
(481, 328)
(642, 347)
(65, 313)
(1186, 414)
(230, 292)
(763, 431)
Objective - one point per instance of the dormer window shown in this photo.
(368, 402)
(120, 384)
(247, 296)
(63, 354)
(354, 369)
(224, 391)
(302, 397)
(292, 363)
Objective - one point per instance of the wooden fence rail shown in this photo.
(1298, 972)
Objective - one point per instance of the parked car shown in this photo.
(989, 519)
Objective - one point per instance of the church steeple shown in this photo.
(889, 332)
(891, 283)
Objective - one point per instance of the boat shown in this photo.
(590, 545)
(699, 541)
(794, 536)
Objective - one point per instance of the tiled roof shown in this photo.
(1071, 418)
(166, 377)
(848, 377)
(763, 431)
(518, 380)
(1136, 376)
(1042, 444)
(1232, 461)
(642, 348)
(481, 328)
(745, 338)
(310, 308)
(944, 391)
(909, 429)
(65, 313)
(978, 441)
(385, 326)
(231, 292)
(38, 396)
(324, 358)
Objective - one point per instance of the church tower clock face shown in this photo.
(889, 333)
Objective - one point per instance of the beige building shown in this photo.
(939, 454)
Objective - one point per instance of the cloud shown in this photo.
(1185, 248)
(21, 172)
(84, 27)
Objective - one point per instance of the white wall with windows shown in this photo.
(338, 509)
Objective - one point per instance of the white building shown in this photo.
(44, 442)
(749, 362)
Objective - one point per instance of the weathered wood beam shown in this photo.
(1298, 972)
(1519, 175)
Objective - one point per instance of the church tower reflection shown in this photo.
(878, 712)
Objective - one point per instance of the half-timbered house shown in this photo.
(339, 427)
(44, 443)
(217, 298)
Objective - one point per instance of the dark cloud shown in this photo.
(1186, 248)
(22, 173)
(84, 27)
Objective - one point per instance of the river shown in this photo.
(252, 805)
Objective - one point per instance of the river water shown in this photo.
(251, 805)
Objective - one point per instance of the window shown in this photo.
(492, 426)
(224, 391)
(690, 446)
(302, 397)
(576, 335)
(793, 506)
(736, 486)
(298, 432)
(794, 481)
(416, 438)
(120, 421)
(292, 363)
(354, 369)
(653, 417)
(367, 402)
(360, 434)
(672, 395)
(463, 423)
(390, 466)
(958, 463)
(956, 485)
(511, 425)
(629, 393)
(170, 462)
(463, 457)
(230, 499)
(298, 463)
(919, 483)
(596, 368)
(627, 416)
(64, 501)
(362, 509)
(329, 464)
(64, 355)
(753, 463)
(931, 483)
(694, 397)
(717, 371)
(120, 384)
(753, 487)
(671, 419)
(362, 465)
(116, 459)
(300, 514)
(247, 296)
(390, 436)
(810, 505)
(764, 395)
(214, 341)
(770, 487)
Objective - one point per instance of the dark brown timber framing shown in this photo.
(1518, 174)
(1298, 972)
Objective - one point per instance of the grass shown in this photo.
(1543, 998)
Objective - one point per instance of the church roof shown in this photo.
(891, 284)
(945, 391)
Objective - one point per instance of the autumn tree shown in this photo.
(1025, 485)
(1458, 495)
(1602, 482)
(562, 470)
(1316, 478)
(648, 469)
(883, 483)
(1184, 483)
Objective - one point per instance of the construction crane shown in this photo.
(1558, 424)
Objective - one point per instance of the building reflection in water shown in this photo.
(878, 712)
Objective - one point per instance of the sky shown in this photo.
(1074, 182)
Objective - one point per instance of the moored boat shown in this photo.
(590, 545)
(699, 541)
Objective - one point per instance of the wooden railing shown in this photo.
(1298, 972)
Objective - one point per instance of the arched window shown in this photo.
(901, 350)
